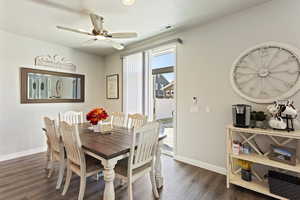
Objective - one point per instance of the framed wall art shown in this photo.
(112, 86)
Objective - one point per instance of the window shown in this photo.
(147, 76)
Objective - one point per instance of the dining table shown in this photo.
(112, 146)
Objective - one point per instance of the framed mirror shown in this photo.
(41, 86)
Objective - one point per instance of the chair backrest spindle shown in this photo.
(136, 120)
(71, 117)
(118, 119)
(52, 133)
(145, 140)
(72, 143)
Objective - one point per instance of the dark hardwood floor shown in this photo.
(25, 179)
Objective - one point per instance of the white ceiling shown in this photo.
(38, 18)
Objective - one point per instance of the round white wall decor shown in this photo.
(267, 72)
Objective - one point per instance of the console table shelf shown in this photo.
(272, 132)
(258, 157)
(254, 185)
(254, 158)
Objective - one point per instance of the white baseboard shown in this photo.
(197, 163)
(22, 153)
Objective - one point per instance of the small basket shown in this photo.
(284, 185)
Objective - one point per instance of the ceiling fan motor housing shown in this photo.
(101, 33)
(95, 32)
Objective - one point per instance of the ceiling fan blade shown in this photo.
(97, 22)
(123, 35)
(74, 30)
(89, 42)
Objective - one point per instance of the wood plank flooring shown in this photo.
(25, 179)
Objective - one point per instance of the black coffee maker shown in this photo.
(241, 114)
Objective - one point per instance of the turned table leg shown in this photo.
(158, 169)
(109, 177)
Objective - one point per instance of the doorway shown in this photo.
(149, 88)
(163, 63)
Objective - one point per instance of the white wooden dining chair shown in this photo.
(141, 160)
(55, 152)
(71, 117)
(77, 162)
(136, 120)
(118, 120)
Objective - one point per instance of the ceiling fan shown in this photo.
(100, 34)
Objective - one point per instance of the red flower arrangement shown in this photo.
(96, 115)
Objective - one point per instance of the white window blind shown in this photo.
(133, 73)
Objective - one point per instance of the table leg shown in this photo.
(158, 169)
(109, 177)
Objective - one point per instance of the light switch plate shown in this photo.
(207, 109)
(194, 108)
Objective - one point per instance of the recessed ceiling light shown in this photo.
(128, 2)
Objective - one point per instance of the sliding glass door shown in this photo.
(162, 63)
(149, 81)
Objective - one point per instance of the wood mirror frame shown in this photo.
(24, 86)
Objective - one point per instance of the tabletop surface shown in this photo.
(116, 142)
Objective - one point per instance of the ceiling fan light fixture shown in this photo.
(100, 37)
(118, 46)
(128, 2)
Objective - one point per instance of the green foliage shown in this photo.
(253, 115)
(258, 116)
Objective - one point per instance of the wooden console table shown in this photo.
(258, 184)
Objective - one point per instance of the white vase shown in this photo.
(97, 128)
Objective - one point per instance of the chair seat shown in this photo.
(93, 166)
(122, 168)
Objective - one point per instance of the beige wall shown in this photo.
(113, 65)
(204, 62)
(20, 124)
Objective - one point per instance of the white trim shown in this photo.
(22, 153)
(52, 70)
(176, 99)
(168, 153)
(165, 49)
(147, 46)
(169, 48)
(204, 165)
